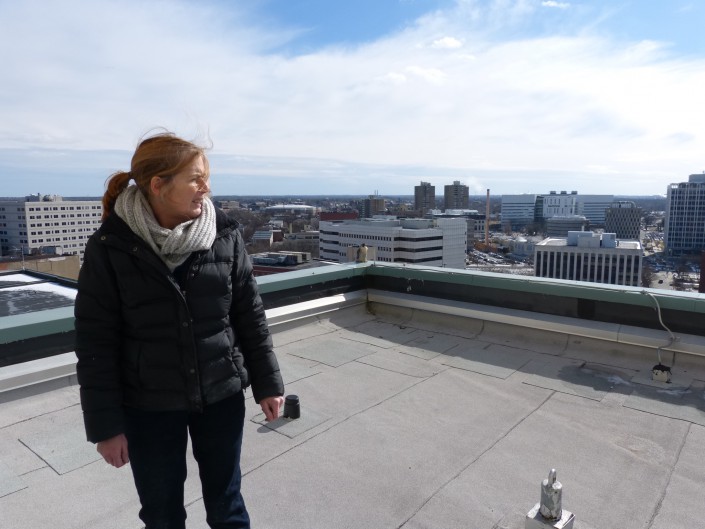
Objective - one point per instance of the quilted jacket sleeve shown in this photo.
(98, 335)
(250, 325)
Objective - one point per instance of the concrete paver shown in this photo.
(405, 426)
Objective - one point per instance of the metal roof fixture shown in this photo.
(549, 513)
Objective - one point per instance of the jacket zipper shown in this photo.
(194, 370)
(182, 293)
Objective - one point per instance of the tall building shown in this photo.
(624, 219)
(559, 204)
(684, 225)
(474, 220)
(588, 256)
(430, 242)
(456, 196)
(424, 197)
(518, 210)
(593, 207)
(47, 224)
(371, 206)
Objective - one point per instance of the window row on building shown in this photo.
(79, 219)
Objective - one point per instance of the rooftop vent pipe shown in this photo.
(549, 512)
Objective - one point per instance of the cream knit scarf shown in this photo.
(173, 246)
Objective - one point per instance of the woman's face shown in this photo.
(180, 198)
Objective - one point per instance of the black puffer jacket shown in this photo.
(153, 340)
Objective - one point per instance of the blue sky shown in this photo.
(357, 96)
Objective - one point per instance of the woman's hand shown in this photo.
(114, 450)
(271, 406)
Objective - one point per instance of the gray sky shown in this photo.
(357, 96)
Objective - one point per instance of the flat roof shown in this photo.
(21, 293)
(623, 244)
(410, 418)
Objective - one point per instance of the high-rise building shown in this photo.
(588, 256)
(559, 204)
(623, 218)
(593, 207)
(371, 206)
(456, 196)
(684, 225)
(430, 242)
(47, 224)
(518, 210)
(424, 197)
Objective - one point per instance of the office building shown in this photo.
(371, 206)
(424, 197)
(456, 196)
(684, 225)
(227, 205)
(624, 219)
(593, 207)
(430, 242)
(339, 215)
(474, 220)
(518, 210)
(559, 204)
(588, 256)
(47, 224)
(561, 225)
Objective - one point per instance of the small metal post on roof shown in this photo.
(549, 512)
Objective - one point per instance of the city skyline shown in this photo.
(345, 98)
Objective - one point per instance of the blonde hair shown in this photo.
(162, 155)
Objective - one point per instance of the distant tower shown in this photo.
(684, 226)
(624, 219)
(456, 196)
(424, 197)
(373, 205)
(487, 218)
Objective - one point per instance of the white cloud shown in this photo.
(383, 115)
(432, 75)
(395, 77)
(552, 3)
(446, 43)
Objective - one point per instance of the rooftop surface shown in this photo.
(410, 418)
(563, 242)
(21, 293)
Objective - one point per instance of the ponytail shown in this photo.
(116, 184)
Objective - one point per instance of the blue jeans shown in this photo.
(157, 443)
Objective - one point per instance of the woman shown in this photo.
(170, 330)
